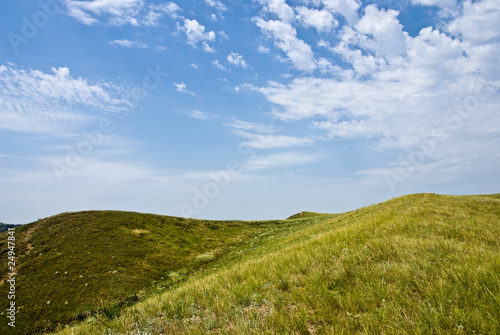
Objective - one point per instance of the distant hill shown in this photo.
(418, 264)
(305, 214)
(5, 226)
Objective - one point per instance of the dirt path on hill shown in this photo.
(26, 243)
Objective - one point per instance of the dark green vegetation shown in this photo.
(5, 226)
(418, 264)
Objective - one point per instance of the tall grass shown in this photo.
(419, 264)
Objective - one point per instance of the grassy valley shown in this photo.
(418, 264)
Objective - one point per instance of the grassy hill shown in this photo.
(75, 265)
(418, 264)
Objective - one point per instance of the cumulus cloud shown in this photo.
(347, 8)
(404, 87)
(448, 7)
(237, 60)
(280, 8)
(196, 33)
(384, 34)
(285, 38)
(321, 20)
(478, 29)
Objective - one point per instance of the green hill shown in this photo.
(418, 264)
(75, 265)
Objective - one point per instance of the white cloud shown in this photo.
(181, 87)
(218, 65)
(271, 141)
(397, 105)
(207, 48)
(326, 67)
(197, 114)
(280, 8)
(284, 159)
(321, 20)
(285, 38)
(223, 35)
(157, 11)
(263, 49)
(120, 12)
(250, 126)
(34, 101)
(348, 8)
(448, 7)
(262, 136)
(237, 60)
(439, 3)
(128, 44)
(362, 63)
(216, 4)
(387, 37)
(195, 33)
(478, 29)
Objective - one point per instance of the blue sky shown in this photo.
(239, 109)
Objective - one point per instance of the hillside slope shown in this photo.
(418, 264)
(75, 265)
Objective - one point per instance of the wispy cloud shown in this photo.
(197, 114)
(271, 141)
(128, 44)
(118, 12)
(217, 5)
(218, 65)
(34, 101)
(250, 126)
(284, 159)
(121, 12)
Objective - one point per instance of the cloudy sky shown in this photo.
(241, 109)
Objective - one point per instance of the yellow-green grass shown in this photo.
(418, 264)
(76, 266)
